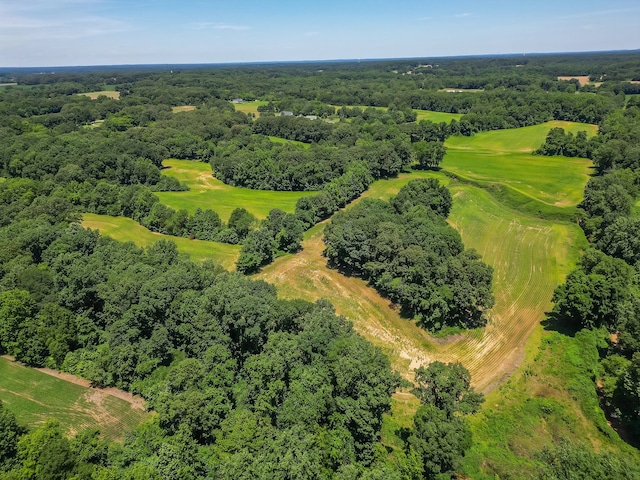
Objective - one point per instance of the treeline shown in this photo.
(244, 385)
(247, 444)
(408, 252)
(603, 292)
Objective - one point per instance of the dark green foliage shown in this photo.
(429, 154)
(427, 192)
(412, 256)
(441, 434)
(10, 432)
(595, 294)
(568, 461)
(448, 388)
(559, 143)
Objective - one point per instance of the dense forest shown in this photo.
(243, 383)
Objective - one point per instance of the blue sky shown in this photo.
(98, 32)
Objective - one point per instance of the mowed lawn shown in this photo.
(209, 192)
(505, 157)
(127, 230)
(35, 397)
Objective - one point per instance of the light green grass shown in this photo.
(209, 192)
(292, 142)
(437, 117)
(505, 157)
(126, 230)
(35, 397)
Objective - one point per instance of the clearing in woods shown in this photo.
(34, 395)
(530, 257)
(183, 108)
(127, 230)
(250, 107)
(209, 192)
(104, 93)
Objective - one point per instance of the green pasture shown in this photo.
(437, 117)
(291, 142)
(504, 157)
(126, 230)
(209, 192)
(34, 397)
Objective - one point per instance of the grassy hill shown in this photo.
(34, 396)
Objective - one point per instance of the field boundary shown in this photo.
(135, 401)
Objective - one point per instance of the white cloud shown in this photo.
(461, 15)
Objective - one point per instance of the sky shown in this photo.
(114, 32)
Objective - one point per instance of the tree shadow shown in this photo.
(554, 322)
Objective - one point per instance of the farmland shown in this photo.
(103, 93)
(126, 230)
(35, 396)
(209, 192)
(530, 258)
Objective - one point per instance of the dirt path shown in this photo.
(97, 394)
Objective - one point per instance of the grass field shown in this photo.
(126, 230)
(34, 396)
(504, 157)
(107, 93)
(209, 192)
(250, 107)
(437, 117)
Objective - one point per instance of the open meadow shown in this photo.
(127, 230)
(102, 93)
(35, 396)
(250, 107)
(209, 192)
(505, 157)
